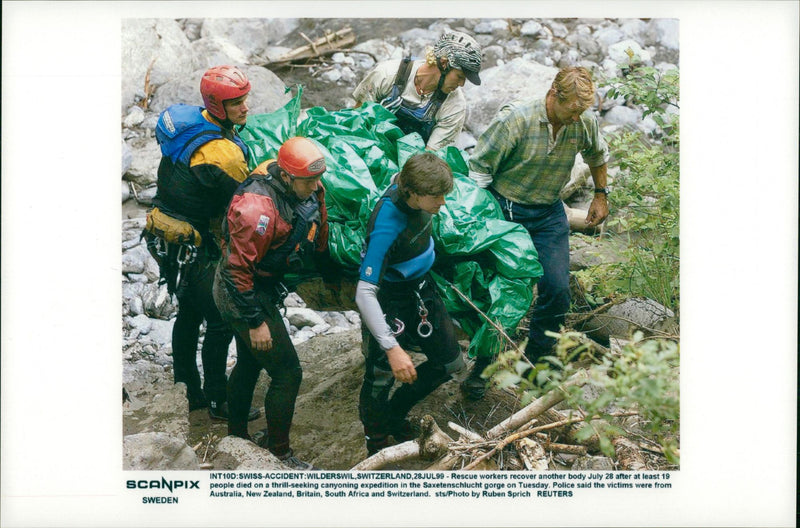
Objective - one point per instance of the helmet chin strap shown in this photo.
(442, 72)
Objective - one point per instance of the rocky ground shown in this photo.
(162, 60)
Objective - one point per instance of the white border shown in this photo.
(61, 422)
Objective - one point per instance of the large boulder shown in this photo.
(157, 42)
(268, 91)
(157, 451)
(516, 79)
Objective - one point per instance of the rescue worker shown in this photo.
(276, 222)
(394, 280)
(524, 158)
(426, 95)
(203, 161)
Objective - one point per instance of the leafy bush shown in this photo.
(646, 193)
(643, 378)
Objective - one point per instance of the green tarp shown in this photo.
(492, 261)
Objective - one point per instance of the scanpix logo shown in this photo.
(163, 484)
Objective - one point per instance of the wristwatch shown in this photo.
(603, 190)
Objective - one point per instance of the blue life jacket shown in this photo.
(182, 129)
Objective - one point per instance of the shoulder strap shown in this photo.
(403, 72)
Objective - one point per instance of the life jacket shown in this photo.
(182, 129)
(412, 254)
(296, 253)
(410, 118)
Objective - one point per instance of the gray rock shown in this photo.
(141, 323)
(558, 29)
(633, 28)
(303, 335)
(341, 58)
(143, 170)
(157, 42)
(378, 48)
(251, 35)
(158, 303)
(136, 306)
(160, 331)
(619, 53)
(498, 27)
(192, 28)
(622, 115)
(135, 116)
(491, 55)
(126, 192)
(217, 50)
(631, 315)
(267, 93)
(516, 79)
(531, 28)
(294, 301)
(132, 262)
(145, 196)
(608, 36)
(331, 76)
(348, 76)
(127, 157)
(663, 32)
(157, 451)
(248, 455)
(302, 317)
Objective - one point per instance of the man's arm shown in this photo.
(598, 210)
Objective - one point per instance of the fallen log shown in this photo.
(629, 455)
(393, 454)
(532, 454)
(433, 443)
(326, 45)
(536, 408)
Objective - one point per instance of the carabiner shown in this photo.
(424, 328)
(399, 327)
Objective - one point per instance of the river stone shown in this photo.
(143, 170)
(157, 451)
(302, 317)
(244, 454)
(158, 303)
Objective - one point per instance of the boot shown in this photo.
(404, 430)
(375, 443)
(474, 386)
(295, 463)
(219, 411)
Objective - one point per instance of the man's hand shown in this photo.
(402, 366)
(598, 210)
(261, 338)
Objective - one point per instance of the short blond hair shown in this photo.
(574, 84)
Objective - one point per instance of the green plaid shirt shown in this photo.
(527, 166)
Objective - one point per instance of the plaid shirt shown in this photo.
(526, 164)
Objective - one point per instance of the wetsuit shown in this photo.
(395, 288)
(198, 191)
(268, 231)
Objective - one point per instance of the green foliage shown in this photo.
(646, 197)
(642, 378)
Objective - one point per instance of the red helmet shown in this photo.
(301, 158)
(221, 83)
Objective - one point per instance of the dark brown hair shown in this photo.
(425, 174)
